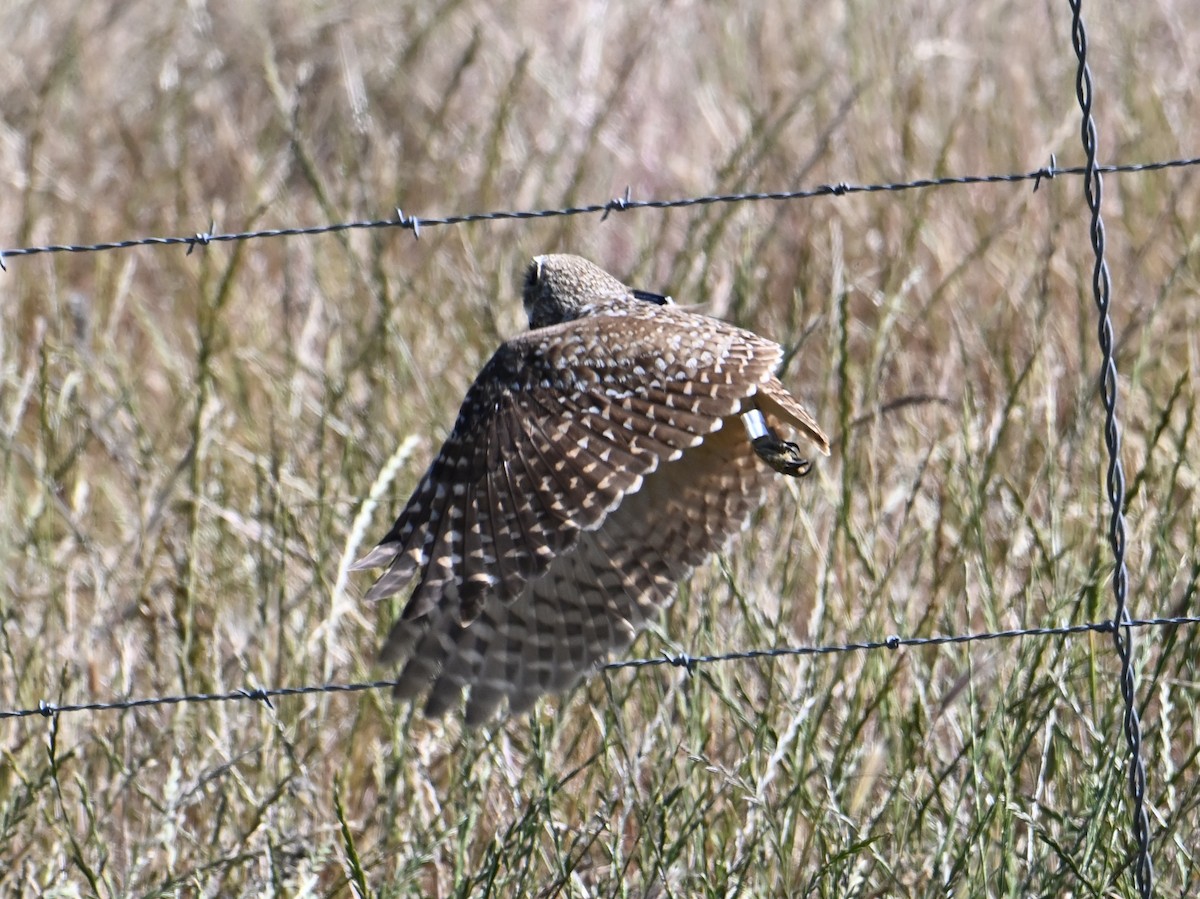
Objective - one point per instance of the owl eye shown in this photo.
(656, 298)
(533, 276)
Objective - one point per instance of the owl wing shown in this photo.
(559, 427)
(592, 600)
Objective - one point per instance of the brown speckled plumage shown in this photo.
(596, 460)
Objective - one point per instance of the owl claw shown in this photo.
(781, 455)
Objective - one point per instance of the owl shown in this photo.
(596, 460)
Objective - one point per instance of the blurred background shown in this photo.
(186, 439)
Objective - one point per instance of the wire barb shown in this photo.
(684, 661)
(259, 695)
(413, 224)
(618, 204)
(201, 238)
(1048, 173)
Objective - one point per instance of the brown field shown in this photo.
(186, 441)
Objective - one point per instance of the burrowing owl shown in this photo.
(595, 461)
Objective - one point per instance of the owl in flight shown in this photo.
(596, 460)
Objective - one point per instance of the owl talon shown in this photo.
(781, 455)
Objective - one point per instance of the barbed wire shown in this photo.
(1122, 636)
(690, 663)
(624, 203)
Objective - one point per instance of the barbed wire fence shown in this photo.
(1120, 626)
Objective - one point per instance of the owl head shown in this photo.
(561, 288)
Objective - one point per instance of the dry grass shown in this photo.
(185, 439)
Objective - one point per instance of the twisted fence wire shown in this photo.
(1122, 633)
(624, 203)
(690, 663)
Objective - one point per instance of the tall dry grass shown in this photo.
(185, 439)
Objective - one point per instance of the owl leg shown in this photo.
(781, 455)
